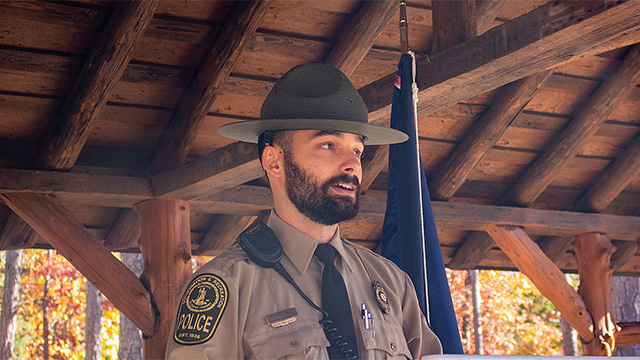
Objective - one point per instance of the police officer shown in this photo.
(312, 132)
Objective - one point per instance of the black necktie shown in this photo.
(335, 301)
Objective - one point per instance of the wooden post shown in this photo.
(594, 266)
(166, 252)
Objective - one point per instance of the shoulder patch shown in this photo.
(200, 309)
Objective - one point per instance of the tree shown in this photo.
(92, 339)
(626, 305)
(10, 295)
(130, 336)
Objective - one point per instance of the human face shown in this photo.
(324, 184)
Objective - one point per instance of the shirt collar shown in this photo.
(298, 246)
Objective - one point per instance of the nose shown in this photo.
(352, 165)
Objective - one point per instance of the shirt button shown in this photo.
(294, 343)
(392, 346)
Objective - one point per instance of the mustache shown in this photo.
(344, 178)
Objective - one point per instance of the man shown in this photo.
(311, 132)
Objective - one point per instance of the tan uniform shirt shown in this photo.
(248, 294)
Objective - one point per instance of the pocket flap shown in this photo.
(288, 340)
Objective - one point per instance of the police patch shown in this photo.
(200, 310)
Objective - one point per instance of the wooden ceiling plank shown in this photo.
(96, 81)
(486, 12)
(67, 235)
(584, 125)
(547, 277)
(484, 134)
(624, 170)
(357, 38)
(126, 232)
(555, 246)
(223, 233)
(222, 169)
(17, 234)
(235, 34)
(548, 36)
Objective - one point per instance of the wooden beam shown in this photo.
(625, 250)
(374, 160)
(17, 234)
(67, 235)
(236, 32)
(472, 251)
(486, 12)
(453, 22)
(593, 252)
(584, 125)
(547, 277)
(624, 170)
(166, 252)
(125, 233)
(222, 169)
(223, 233)
(546, 37)
(484, 134)
(556, 246)
(629, 334)
(99, 76)
(359, 35)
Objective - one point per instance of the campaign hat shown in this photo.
(313, 97)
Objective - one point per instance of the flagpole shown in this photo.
(404, 33)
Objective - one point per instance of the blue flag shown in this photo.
(409, 236)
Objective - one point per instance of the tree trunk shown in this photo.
(569, 334)
(569, 338)
(477, 310)
(626, 307)
(45, 312)
(9, 303)
(92, 323)
(130, 336)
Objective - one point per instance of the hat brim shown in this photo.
(248, 131)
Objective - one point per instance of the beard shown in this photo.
(312, 198)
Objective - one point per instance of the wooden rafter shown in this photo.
(547, 277)
(484, 134)
(548, 36)
(125, 233)
(236, 32)
(357, 38)
(17, 234)
(96, 81)
(539, 175)
(629, 333)
(453, 22)
(584, 125)
(486, 12)
(222, 169)
(67, 235)
(223, 232)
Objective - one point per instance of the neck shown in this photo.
(319, 232)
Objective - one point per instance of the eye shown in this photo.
(327, 146)
(358, 153)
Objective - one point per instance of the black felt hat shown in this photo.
(313, 97)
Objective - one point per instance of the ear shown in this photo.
(273, 161)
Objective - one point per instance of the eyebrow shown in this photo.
(320, 133)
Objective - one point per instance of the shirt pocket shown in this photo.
(298, 340)
(389, 341)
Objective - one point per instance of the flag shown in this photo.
(409, 236)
